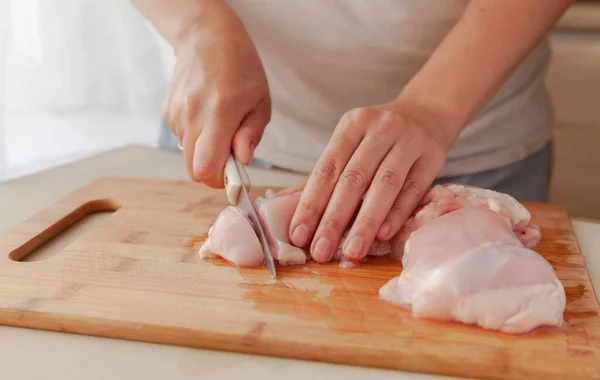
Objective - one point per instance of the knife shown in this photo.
(237, 182)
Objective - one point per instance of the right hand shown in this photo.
(218, 97)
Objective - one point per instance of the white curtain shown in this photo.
(76, 77)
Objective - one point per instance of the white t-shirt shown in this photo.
(325, 57)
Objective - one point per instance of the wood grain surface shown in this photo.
(137, 275)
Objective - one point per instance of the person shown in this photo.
(374, 100)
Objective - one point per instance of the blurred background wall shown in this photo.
(77, 77)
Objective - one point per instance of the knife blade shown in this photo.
(236, 185)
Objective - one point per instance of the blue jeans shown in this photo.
(525, 180)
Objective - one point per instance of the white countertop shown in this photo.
(34, 354)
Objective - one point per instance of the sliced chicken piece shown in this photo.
(232, 237)
(276, 215)
(469, 266)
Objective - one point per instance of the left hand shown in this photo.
(384, 154)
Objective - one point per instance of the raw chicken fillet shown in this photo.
(466, 257)
(275, 214)
(224, 236)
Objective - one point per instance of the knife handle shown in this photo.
(235, 175)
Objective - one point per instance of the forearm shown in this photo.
(174, 18)
(476, 57)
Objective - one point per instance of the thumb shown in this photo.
(250, 132)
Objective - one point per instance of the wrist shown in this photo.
(445, 122)
(209, 19)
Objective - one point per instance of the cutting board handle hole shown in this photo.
(63, 232)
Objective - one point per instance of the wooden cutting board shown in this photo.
(137, 275)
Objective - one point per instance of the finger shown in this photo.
(426, 198)
(213, 146)
(171, 115)
(167, 105)
(185, 114)
(321, 182)
(171, 105)
(348, 192)
(379, 199)
(179, 122)
(248, 135)
(188, 129)
(188, 143)
(415, 188)
(190, 112)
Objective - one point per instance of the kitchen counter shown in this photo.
(34, 354)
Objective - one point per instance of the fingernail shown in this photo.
(354, 247)
(385, 230)
(251, 155)
(322, 250)
(300, 236)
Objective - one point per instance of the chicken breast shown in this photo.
(276, 214)
(232, 237)
(469, 265)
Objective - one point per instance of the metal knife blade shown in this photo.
(244, 202)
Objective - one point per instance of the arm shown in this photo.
(175, 18)
(476, 57)
(388, 155)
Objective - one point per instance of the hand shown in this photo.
(218, 97)
(382, 153)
